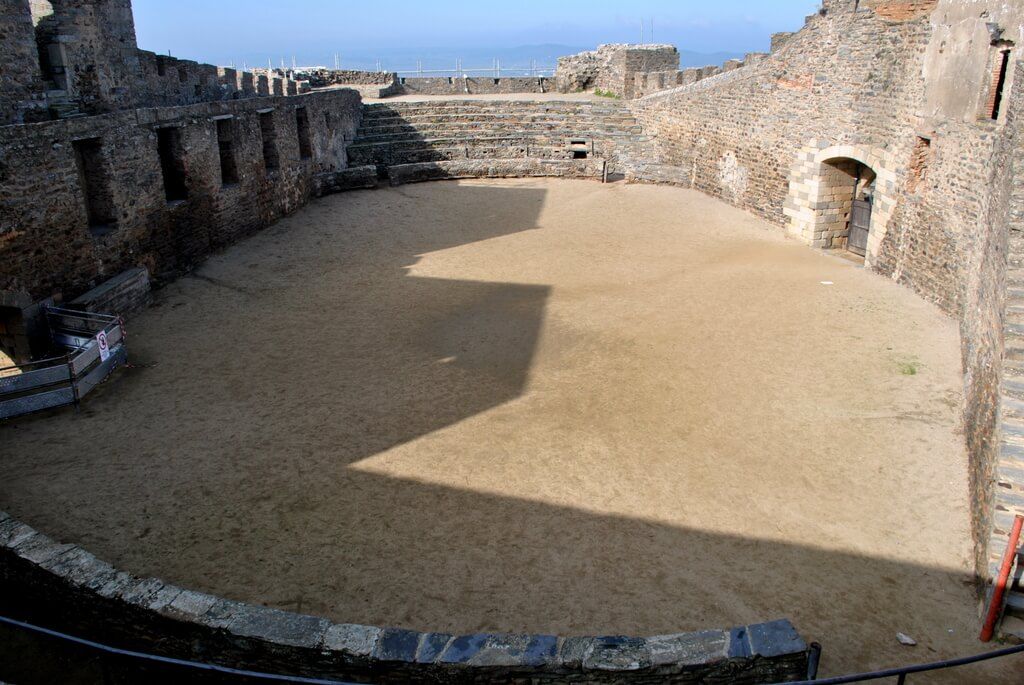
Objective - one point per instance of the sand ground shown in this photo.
(533, 405)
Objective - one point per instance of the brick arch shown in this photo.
(811, 201)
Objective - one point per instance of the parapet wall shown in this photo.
(66, 588)
(908, 99)
(322, 78)
(166, 82)
(473, 85)
(50, 244)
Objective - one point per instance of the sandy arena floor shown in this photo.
(546, 406)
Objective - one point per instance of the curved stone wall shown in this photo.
(905, 88)
(64, 587)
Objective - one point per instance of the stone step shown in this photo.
(398, 124)
(381, 111)
(551, 138)
(1014, 314)
(451, 154)
(383, 158)
(1013, 389)
(1013, 369)
(400, 174)
(453, 113)
(1013, 348)
(1012, 407)
(443, 133)
(386, 157)
(1015, 277)
(469, 103)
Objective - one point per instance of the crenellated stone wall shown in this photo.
(165, 81)
(613, 68)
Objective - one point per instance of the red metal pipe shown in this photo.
(1000, 589)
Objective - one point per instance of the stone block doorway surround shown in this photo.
(823, 183)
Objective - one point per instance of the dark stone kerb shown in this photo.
(40, 577)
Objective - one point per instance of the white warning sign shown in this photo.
(101, 340)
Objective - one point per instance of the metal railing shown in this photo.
(496, 70)
(901, 673)
(93, 346)
(116, 663)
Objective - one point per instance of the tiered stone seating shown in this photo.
(459, 138)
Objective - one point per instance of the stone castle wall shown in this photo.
(20, 80)
(96, 43)
(164, 81)
(883, 83)
(72, 57)
(46, 243)
(613, 68)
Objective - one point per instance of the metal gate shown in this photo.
(860, 225)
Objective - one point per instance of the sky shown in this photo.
(313, 31)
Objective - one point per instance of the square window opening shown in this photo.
(94, 179)
(172, 163)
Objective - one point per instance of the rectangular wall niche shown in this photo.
(226, 145)
(999, 76)
(172, 163)
(94, 180)
(302, 130)
(271, 161)
(919, 161)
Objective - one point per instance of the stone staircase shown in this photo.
(466, 138)
(61, 106)
(1009, 474)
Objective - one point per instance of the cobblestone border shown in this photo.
(65, 587)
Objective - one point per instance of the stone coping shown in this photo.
(65, 587)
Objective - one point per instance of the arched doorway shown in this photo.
(841, 197)
(849, 186)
